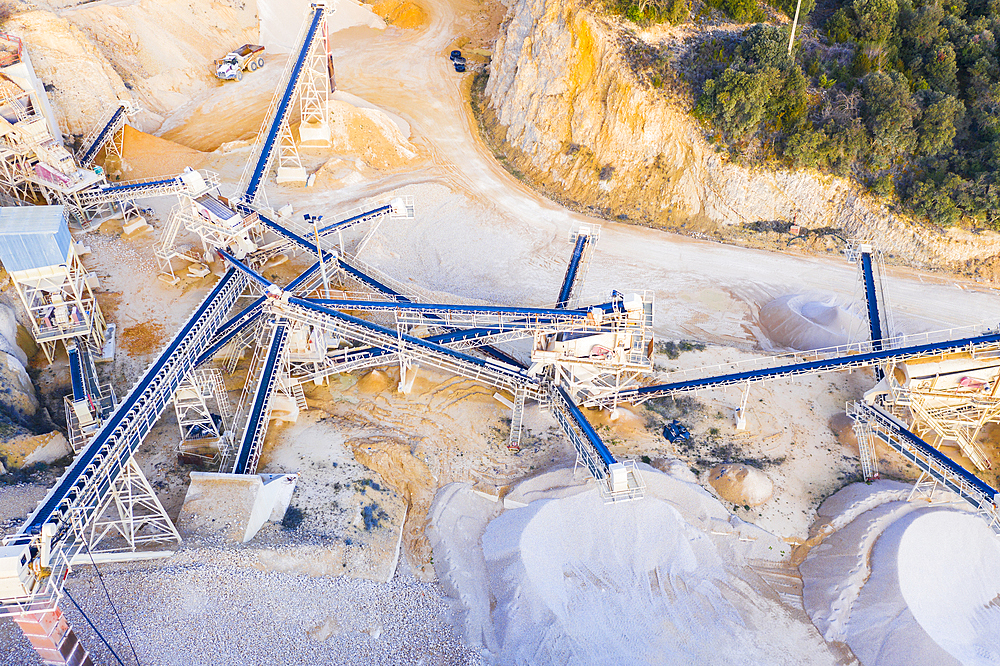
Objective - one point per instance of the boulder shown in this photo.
(25, 450)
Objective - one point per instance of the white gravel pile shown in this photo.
(211, 607)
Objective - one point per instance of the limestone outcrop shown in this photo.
(582, 126)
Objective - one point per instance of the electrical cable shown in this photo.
(108, 595)
(92, 626)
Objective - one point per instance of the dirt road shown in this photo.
(484, 234)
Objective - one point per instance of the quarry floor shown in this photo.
(479, 235)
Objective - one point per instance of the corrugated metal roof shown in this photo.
(216, 207)
(33, 237)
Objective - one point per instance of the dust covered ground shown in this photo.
(402, 127)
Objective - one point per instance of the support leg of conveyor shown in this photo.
(741, 411)
(53, 638)
(924, 488)
(516, 422)
(132, 511)
(407, 373)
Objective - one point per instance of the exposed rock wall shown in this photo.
(581, 125)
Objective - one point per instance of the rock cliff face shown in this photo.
(579, 123)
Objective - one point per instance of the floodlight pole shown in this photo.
(795, 22)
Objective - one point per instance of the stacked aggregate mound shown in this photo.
(741, 484)
(569, 579)
(903, 583)
(808, 321)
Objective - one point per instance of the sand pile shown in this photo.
(148, 156)
(81, 83)
(903, 582)
(569, 579)
(741, 484)
(400, 13)
(369, 133)
(281, 21)
(809, 321)
(158, 52)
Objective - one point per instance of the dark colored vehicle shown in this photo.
(459, 66)
(456, 54)
(674, 431)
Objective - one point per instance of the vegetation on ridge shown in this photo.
(901, 95)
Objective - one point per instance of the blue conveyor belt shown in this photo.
(132, 187)
(103, 137)
(283, 108)
(543, 315)
(574, 266)
(887, 422)
(809, 367)
(588, 430)
(249, 272)
(871, 300)
(357, 219)
(514, 373)
(442, 339)
(77, 475)
(257, 422)
(76, 374)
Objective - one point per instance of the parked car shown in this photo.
(675, 431)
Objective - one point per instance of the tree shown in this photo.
(737, 100)
(876, 20)
(789, 105)
(941, 69)
(840, 27)
(765, 46)
(937, 125)
(889, 114)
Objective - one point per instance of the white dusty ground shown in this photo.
(669, 580)
(904, 582)
(480, 234)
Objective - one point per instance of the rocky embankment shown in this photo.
(566, 111)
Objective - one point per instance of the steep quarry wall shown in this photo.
(580, 125)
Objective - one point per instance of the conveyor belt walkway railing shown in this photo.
(940, 467)
(588, 444)
(277, 114)
(80, 490)
(979, 340)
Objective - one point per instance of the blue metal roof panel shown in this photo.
(33, 237)
(216, 207)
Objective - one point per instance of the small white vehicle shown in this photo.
(249, 57)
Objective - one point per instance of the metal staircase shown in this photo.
(932, 462)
